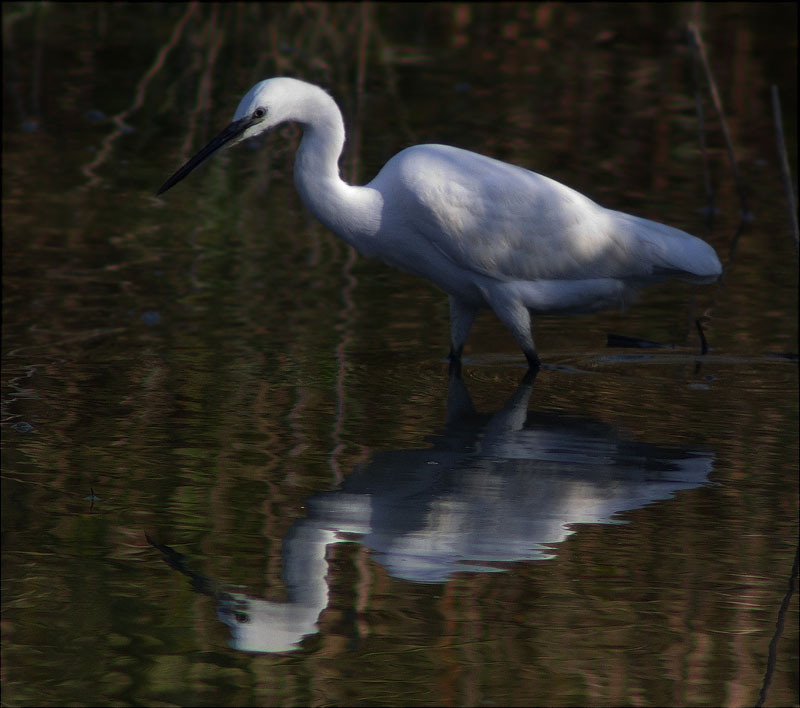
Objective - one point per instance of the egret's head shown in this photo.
(268, 104)
(264, 106)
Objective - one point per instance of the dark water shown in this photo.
(235, 470)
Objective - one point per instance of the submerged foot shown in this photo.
(455, 364)
(534, 363)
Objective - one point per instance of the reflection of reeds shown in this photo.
(783, 158)
(701, 135)
(699, 50)
(782, 611)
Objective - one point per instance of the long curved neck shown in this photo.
(349, 211)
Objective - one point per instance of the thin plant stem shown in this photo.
(701, 53)
(786, 174)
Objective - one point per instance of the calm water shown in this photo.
(235, 470)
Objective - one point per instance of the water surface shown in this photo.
(212, 380)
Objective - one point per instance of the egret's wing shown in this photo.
(512, 224)
(669, 251)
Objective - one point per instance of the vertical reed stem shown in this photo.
(701, 54)
(783, 159)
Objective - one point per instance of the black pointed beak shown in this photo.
(233, 131)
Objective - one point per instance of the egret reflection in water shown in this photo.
(490, 490)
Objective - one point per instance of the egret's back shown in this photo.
(509, 223)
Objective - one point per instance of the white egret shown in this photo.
(488, 233)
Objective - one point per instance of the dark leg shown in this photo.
(530, 377)
(455, 362)
(461, 317)
(534, 363)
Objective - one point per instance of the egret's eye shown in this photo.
(259, 112)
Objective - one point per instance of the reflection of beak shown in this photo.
(233, 131)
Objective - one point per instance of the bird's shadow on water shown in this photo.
(492, 489)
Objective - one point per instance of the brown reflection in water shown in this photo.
(221, 418)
